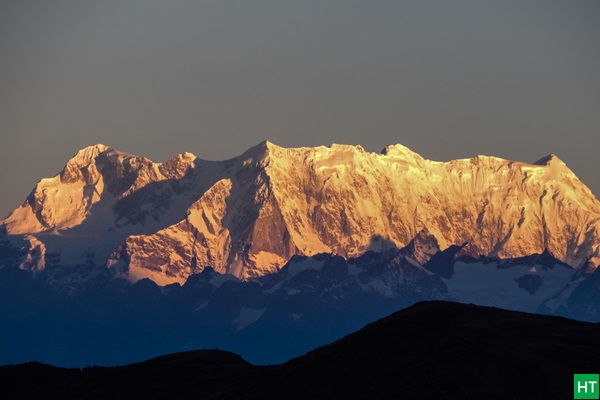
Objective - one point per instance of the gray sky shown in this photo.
(448, 79)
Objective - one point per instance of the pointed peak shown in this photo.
(422, 247)
(424, 235)
(178, 166)
(266, 145)
(84, 157)
(400, 151)
(555, 167)
(262, 146)
(260, 150)
(87, 154)
(550, 160)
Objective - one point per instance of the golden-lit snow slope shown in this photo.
(95, 173)
(338, 198)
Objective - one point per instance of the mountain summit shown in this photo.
(249, 215)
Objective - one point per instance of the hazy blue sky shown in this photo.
(449, 79)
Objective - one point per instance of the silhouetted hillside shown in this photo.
(430, 350)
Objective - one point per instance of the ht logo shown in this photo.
(586, 386)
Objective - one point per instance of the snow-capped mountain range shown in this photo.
(277, 251)
(249, 215)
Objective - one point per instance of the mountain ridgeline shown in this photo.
(113, 213)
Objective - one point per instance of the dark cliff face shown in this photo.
(431, 350)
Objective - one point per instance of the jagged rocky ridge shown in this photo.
(249, 215)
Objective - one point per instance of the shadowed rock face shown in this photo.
(250, 214)
(430, 350)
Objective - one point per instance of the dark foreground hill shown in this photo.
(430, 350)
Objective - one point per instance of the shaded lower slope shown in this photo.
(430, 350)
